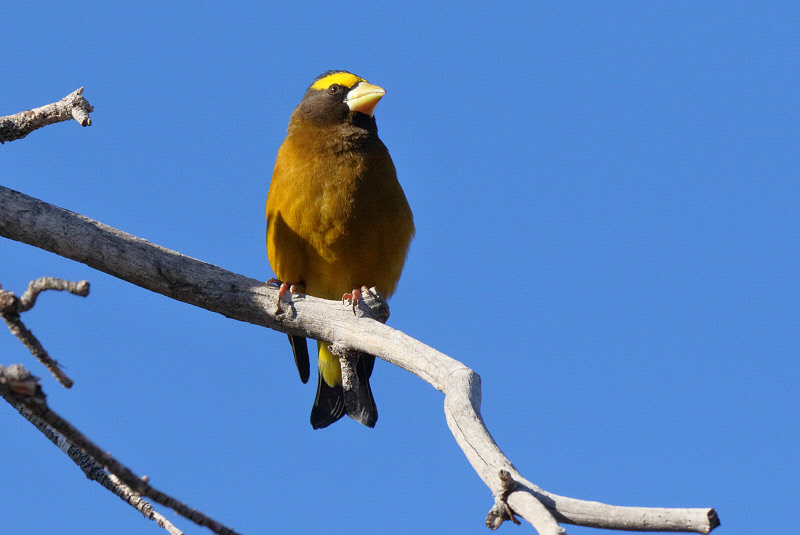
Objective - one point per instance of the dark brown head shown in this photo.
(338, 97)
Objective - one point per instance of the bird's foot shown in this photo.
(285, 288)
(353, 297)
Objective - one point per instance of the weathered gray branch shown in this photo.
(22, 390)
(192, 281)
(19, 125)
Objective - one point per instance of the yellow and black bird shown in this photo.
(337, 220)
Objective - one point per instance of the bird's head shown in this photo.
(335, 96)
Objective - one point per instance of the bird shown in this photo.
(337, 221)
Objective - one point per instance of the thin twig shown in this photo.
(35, 287)
(11, 307)
(22, 390)
(19, 125)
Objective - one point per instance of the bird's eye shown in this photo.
(334, 89)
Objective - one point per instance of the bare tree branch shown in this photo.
(19, 125)
(11, 307)
(186, 279)
(28, 299)
(22, 390)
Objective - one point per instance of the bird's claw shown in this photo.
(284, 288)
(355, 295)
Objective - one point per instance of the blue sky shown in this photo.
(606, 200)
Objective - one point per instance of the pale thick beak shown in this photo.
(364, 97)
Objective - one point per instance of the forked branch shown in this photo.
(192, 281)
(11, 306)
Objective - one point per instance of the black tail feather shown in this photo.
(328, 405)
(359, 403)
(332, 402)
(300, 351)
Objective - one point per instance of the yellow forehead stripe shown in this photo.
(342, 78)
